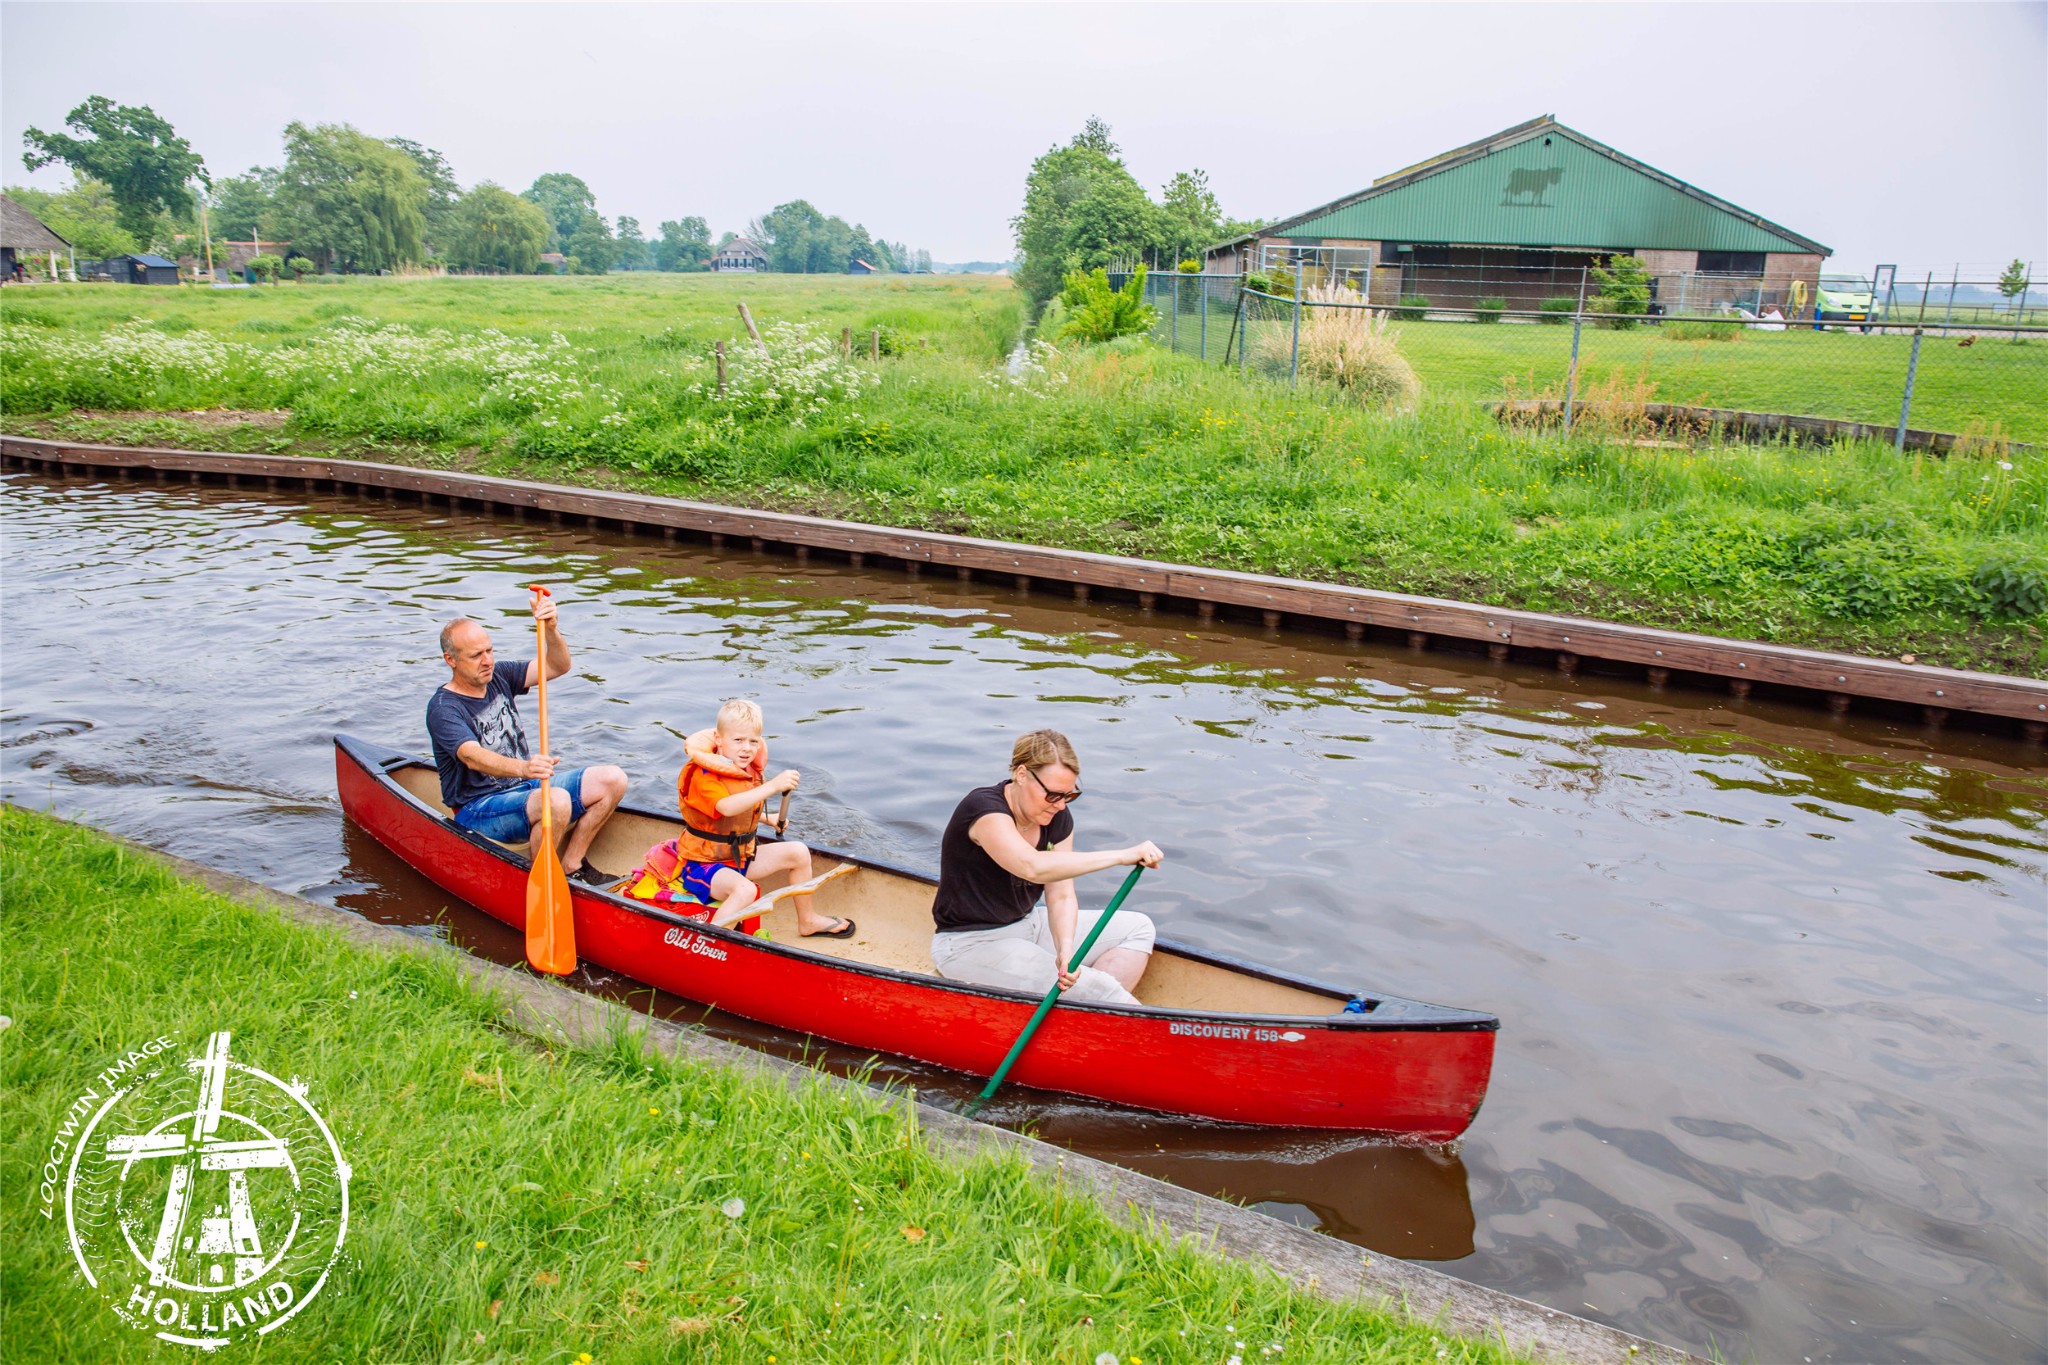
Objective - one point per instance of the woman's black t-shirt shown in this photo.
(976, 891)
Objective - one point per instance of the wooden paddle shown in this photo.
(550, 921)
(1052, 996)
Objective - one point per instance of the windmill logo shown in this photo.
(206, 1199)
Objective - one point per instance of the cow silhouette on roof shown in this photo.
(1532, 182)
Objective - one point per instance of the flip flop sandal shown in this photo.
(845, 930)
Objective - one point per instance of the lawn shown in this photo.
(517, 1200)
(1125, 448)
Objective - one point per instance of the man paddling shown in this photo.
(488, 779)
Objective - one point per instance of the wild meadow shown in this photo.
(515, 1199)
(1122, 447)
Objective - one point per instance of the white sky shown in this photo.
(1907, 133)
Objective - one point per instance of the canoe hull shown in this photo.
(1423, 1079)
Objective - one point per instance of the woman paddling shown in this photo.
(1004, 846)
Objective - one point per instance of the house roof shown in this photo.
(24, 231)
(744, 245)
(145, 258)
(1616, 201)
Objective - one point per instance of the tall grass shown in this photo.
(514, 1200)
(1123, 447)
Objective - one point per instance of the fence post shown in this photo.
(1947, 311)
(1241, 325)
(718, 349)
(1173, 330)
(1205, 316)
(1294, 354)
(1571, 380)
(1906, 405)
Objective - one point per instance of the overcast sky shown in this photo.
(1908, 133)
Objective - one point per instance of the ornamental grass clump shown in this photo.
(1351, 348)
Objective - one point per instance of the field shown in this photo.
(516, 1200)
(1126, 447)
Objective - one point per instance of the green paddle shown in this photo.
(1045, 1005)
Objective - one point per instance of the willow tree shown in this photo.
(351, 197)
(493, 229)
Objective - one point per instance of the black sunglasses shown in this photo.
(1068, 797)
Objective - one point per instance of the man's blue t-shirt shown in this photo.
(491, 720)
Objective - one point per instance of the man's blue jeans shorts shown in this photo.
(502, 814)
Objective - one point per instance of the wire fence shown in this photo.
(1923, 376)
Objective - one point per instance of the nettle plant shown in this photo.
(800, 374)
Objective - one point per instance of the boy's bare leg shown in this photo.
(734, 893)
(795, 859)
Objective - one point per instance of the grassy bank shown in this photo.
(1122, 448)
(519, 1202)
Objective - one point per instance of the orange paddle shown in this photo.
(550, 921)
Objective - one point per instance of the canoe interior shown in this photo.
(894, 913)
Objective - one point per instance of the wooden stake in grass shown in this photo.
(846, 343)
(875, 345)
(718, 349)
(753, 331)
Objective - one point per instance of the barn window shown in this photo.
(1731, 263)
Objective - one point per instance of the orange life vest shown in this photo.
(729, 838)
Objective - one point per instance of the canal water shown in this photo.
(1771, 1070)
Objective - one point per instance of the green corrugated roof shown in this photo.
(1543, 184)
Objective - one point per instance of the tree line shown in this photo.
(356, 203)
(1084, 211)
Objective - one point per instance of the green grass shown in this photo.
(1129, 449)
(518, 1202)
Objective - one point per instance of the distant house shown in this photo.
(741, 254)
(141, 268)
(553, 261)
(860, 267)
(21, 232)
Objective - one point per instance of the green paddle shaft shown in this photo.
(1045, 1005)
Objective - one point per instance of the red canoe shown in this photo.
(1213, 1038)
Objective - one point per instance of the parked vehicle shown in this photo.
(1842, 298)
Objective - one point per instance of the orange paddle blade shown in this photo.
(550, 922)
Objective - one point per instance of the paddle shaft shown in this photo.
(1052, 996)
(547, 804)
(550, 920)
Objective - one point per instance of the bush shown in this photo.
(1624, 289)
(1556, 310)
(1280, 285)
(1703, 331)
(1488, 309)
(1098, 313)
(1191, 266)
(265, 266)
(1413, 307)
(299, 266)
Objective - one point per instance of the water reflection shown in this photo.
(1771, 1076)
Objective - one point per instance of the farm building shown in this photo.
(22, 233)
(1518, 216)
(740, 254)
(141, 269)
(859, 267)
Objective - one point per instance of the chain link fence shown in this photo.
(1923, 373)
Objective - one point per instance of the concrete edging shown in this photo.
(1310, 1260)
(1561, 641)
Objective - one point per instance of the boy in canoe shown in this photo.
(721, 790)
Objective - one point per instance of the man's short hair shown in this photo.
(448, 633)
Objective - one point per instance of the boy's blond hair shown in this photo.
(739, 709)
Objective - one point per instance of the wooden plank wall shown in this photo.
(1837, 681)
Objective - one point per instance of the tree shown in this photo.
(2016, 279)
(685, 244)
(84, 215)
(591, 245)
(1189, 216)
(564, 199)
(237, 205)
(1624, 289)
(298, 265)
(633, 254)
(352, 198)
(137, 155)
(1081, 209)
(1095, 312)
(442, 191)
(494, 230)
(264, 266)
